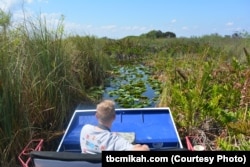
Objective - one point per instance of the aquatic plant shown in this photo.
(131, 85)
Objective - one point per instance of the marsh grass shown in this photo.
(204, 89)
(41, 82)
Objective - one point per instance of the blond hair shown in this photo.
(105, 110)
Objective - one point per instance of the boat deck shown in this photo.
(152, 126)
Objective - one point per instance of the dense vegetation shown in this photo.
(159, 34)
(44, 75)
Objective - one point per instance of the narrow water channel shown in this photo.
(131, 87)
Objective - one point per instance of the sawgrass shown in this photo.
(43, 77)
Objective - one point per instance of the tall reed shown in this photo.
(39, 85)
(10, 84)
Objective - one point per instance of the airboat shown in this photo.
(152, 126)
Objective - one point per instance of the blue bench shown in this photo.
(152, 126)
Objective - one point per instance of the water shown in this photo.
(128, 75)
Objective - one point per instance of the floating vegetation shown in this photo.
(132, 88)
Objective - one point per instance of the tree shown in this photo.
(236, 35)
(169, 35)
(159, 34)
